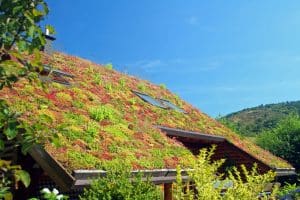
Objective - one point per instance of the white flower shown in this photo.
(59, 197)
(46, 191)
(55, 191)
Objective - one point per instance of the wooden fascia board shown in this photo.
(285, 172)
(53, 169)
(156, 176)
(190, 134)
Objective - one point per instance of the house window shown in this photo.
(149, 99)
(168, 104)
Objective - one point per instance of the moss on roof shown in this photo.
(98, 122)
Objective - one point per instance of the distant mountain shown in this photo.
(252, 121)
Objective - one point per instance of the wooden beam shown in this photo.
(168, 191)
(53, 169)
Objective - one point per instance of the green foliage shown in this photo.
(132, 101)
(253, 184)
(97, 78)
(64, 97)
(103, 112)
(92, 128)
(72, 132)
(122, 82)
(21, 36)
(77, 104)
(119, 131)
(288, 189)
(118, 186)
(283, 140)
(19, 28)
(36, 132)
(23, 134)
(109, 66)
(11, 176)
(8, 123)
(80, 159)
(108, 87)
(162, 86)
(253, 121)
(210, 184)
(229, 124)
(141, 86)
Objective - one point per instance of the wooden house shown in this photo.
(90, 118)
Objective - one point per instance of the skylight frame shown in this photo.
(147, 98)
(172, 106)
(48, 74)
(57, 72)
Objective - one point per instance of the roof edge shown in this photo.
(285, 172)
(82, 178)
(190, 134)
(157, 176)
(215, 138)
(54, 169)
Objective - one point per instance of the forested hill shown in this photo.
(252, 121)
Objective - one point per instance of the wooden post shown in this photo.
(168, 191)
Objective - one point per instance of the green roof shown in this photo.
(98, 122)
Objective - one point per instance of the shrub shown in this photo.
(209, 184)
(102, 112)
(289, 190)
(118, 186)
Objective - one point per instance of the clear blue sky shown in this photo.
(220, 56)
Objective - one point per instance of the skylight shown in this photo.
(171, 105)
(49, 74)
(56, 71)
(150, 99)
(162, 103)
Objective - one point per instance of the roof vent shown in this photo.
(49, 40)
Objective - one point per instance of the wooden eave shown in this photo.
(82, 178)
(190, 134)
(195, 137)
(79, 179)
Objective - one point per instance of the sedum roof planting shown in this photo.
(98, 122)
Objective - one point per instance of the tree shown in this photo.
(20, 36)
(229, 124)
(21, 39)
(208, 183)
(284, 140)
